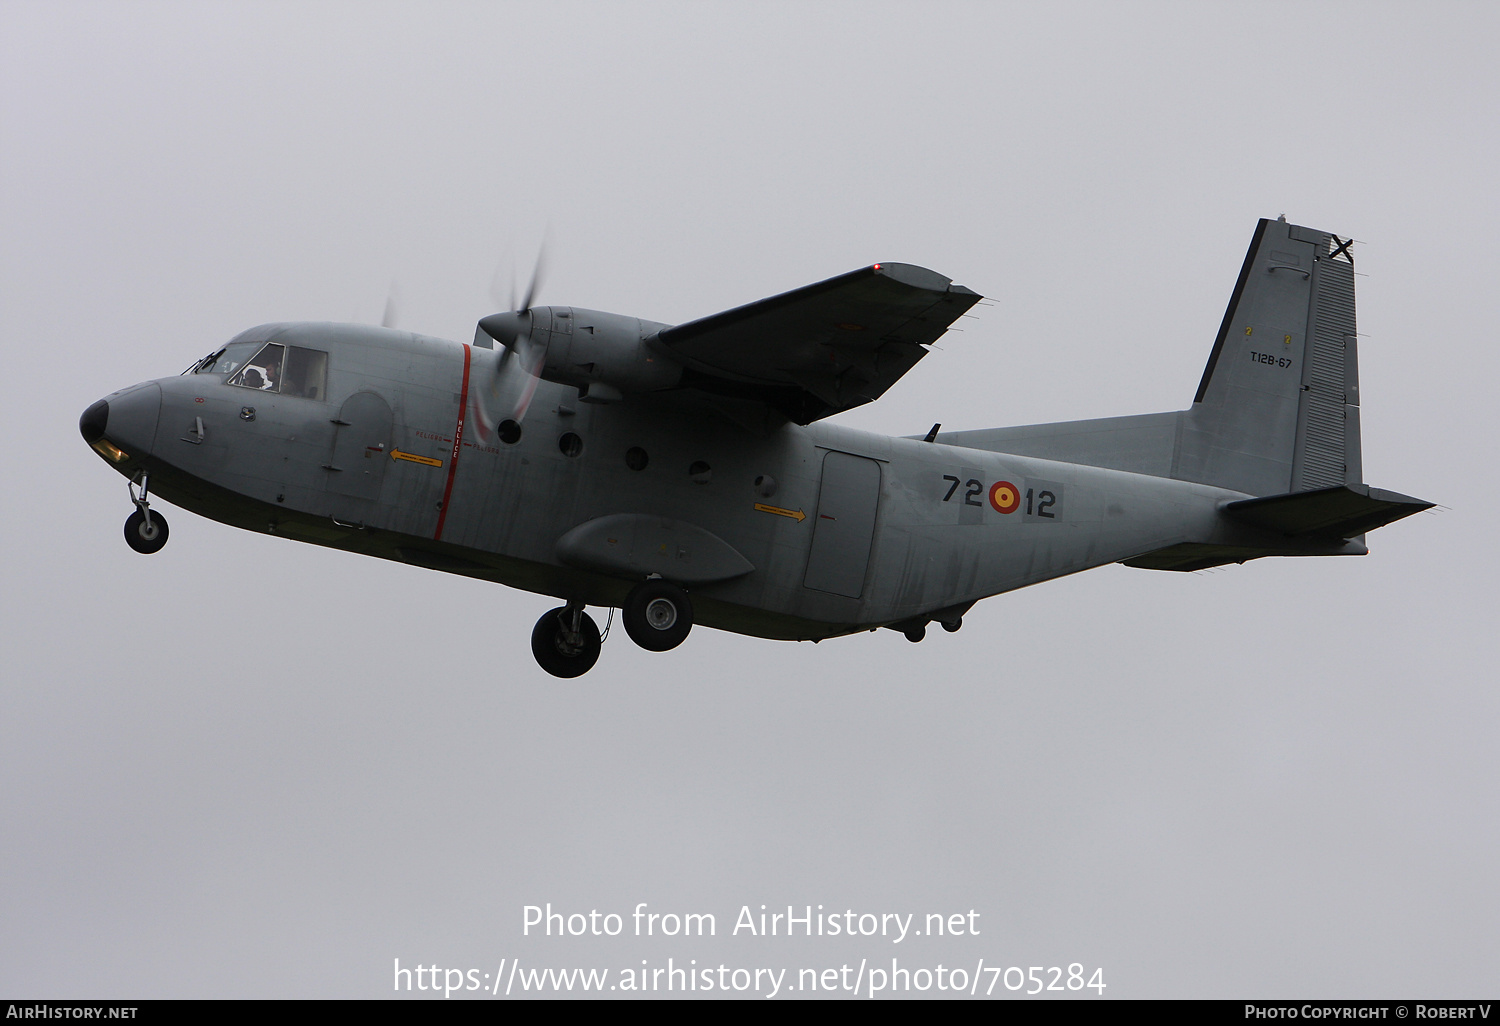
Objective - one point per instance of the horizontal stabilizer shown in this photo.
(1343, 511)
(1190, 557)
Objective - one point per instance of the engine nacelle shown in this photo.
(605, 356)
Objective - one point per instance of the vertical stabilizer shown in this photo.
(1278, 408)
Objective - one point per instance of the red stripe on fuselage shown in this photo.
(458, 441)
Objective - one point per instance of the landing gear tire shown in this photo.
(146, 537)
(657, 615)
(915, 634)
(954, 626)
(564, 648)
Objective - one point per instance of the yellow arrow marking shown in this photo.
(795, 514)
(427, 461)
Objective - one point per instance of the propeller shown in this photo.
(388, 319)
(508, 393)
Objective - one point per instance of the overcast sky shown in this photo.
(250, 767)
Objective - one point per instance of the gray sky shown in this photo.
(1275, 780)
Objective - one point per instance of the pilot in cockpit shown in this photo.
(262, 377)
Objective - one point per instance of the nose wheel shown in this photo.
(565, 641)
(657, 615)
(145, 530)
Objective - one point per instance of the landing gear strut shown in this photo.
(565, 641)
(657, 615)
(145, 531)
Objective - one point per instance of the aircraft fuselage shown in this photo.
(844, 530)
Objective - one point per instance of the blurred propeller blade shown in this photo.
(388, 319)
(536, 280)
(529, 357)
(518, 370)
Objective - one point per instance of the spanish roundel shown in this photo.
(1004, 496)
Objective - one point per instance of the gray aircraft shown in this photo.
(687, 474)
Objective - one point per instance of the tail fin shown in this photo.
(1277, 410)
(1276, 415)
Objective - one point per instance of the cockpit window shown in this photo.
(263, 370)
(273, 367)
(306, 373)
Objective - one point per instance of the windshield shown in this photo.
(269, 367)
(226, 360)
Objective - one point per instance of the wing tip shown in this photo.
(919, 277)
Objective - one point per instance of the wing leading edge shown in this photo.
(823, 348)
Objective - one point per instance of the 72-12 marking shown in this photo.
(1039, 502)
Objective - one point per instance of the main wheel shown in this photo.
(559, 654)
(915, 634)
(657, 615)
(144, 537)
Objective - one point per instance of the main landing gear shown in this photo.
(916, 631)
(145, 531)
(658, 616)
(566, 641)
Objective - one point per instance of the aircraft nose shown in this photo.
(125, 420)
(94, 420)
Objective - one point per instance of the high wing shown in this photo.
(824, 348)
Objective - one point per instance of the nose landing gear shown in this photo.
(565, 641)
(145, 531)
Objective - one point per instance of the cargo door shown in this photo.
(845, 527)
